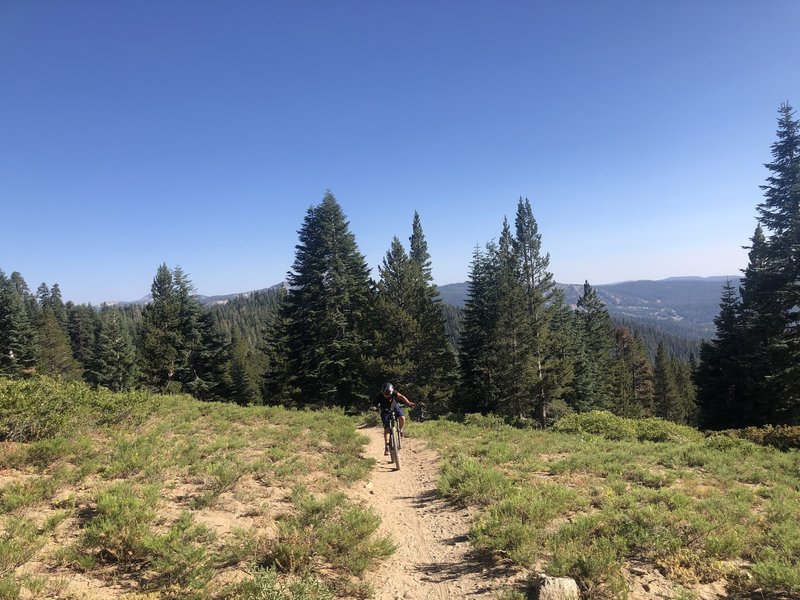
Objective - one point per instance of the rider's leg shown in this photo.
(401, 421)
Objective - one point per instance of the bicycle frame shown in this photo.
(395, 442)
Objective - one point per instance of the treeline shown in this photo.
(750, 373)
(332, 335)
(171, 345)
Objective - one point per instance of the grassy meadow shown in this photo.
(142, 496)
(603, 498)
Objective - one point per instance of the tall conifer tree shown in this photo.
(666, 397)
(112, 363)
(544, 303)
(517, 372)
(19, 345)
(478, 366)
(594, 381)
(779, 320)
(723, 396)
(397, 329)
(326, 309)
(435, 361)
(159, 335)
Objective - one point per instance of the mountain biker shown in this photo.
(387, 401)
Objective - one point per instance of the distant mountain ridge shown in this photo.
(684, 306)
(204, 300)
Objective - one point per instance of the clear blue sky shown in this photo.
(198, 133)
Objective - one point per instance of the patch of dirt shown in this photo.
(434, 559)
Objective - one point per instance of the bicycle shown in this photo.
(395, 439)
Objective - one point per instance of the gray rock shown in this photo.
(556, 588)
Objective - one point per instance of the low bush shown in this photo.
(42, 407)
(266, 585)
(465, 479)
(782, 437)
(659, 430)
(598, 422)
(491, 421)
(121, 528)
(515, 525)
(613, 427)
(330, 529)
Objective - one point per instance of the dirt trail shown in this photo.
(434, 559)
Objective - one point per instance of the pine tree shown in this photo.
(21, 288)
(189, 339)
(396, 324)
(19, 345)
(159, 335)
(668, 404)
(209, 361)
(243, 389)
(326, 310)
(634, 376)
(57, 306)
(687, 396)
(82, 326)
(435, 362)
(779, 320)
(112, 363)
(478, 368)
(544, 303)
(517, 370)
(55, 358)
(276, 388)
(723, 397)
(594, 385)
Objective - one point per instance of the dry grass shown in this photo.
(185, 501)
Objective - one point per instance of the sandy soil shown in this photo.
(434, 558)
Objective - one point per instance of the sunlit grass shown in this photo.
(602, 492)
(130, 493)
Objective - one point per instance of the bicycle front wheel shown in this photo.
(394, 449)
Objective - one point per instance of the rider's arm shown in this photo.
(404, 400)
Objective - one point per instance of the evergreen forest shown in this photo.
(332, 334)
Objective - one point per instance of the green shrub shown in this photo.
(120, 529)
(466, 479)
(490, 421)
(42, 407)
(613, 427)
(515, 525)
(659, 430)
(30, 492)
(265, 585)
(725, 443)
(180, 557)
(782, 437)
(332, 529)
(33, 409)
(777, 573)
(598, 422)
(18, 543)
(10, 587)
(595, 562)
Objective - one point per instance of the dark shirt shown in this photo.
(383, 402)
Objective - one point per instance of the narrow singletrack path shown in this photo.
(434, 558)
